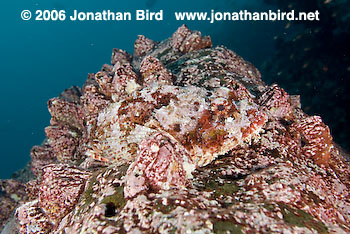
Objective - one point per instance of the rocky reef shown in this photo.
(312, 59)
(183, 137)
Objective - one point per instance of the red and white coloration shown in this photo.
(210, 125)
(32, 220)
(239, 91)
(185, 40)
(152, 70)
(120, 56)
(66, 112)
(316, 137)
(143, 45)
(92, 102)
(257, 121)
(59, 190)
(277, 102)
(202, 120)
(66, 130)
(63, 141)
(41, 156)
(104, 81)
(161, 163)
(124, 80)
(179, 36)
(222, 108)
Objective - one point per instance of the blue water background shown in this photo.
(41, 59)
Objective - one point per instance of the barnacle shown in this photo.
(316, 138)
(183, 137)
(143, 45)
(184, 40)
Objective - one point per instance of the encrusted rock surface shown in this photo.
(182, 137)
(313, 59)
(12, 192)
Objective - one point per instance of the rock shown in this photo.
(183, 138)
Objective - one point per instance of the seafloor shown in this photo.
(180, 137)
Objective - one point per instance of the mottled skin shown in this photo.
(186, 138)
(159, 165)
